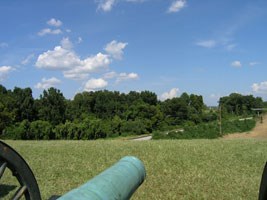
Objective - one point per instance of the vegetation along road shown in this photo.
(259, 132)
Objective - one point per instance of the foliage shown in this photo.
(240, 104)
(51, 106)
(101, 114)
(25, 130)
(206, 130)
(137, 127)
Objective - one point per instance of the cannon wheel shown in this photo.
(10, 159)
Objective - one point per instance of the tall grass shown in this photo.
(176, 169)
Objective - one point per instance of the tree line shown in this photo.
(101, 114)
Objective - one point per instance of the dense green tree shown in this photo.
(149, 97)
(81, 106)
(51, 106)
(175, 110)
(7, 108)
(24, 104)
(240, 104)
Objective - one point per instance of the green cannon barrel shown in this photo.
(118, 182)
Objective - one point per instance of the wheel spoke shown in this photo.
(2, 169)
(19, 193)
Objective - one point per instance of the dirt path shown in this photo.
(260, 131)
(143, 138)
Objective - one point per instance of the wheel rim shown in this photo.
(27, 184)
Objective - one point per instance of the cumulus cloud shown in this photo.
(176, 6)
(58, 59)
(89, 65)
(171, 94)
(64, 58)
(260, 87)
(48, 31)
(115, 49)
(95, 84)
(47, 83)
(236, 64)
(54, 22)
(207, 43)
(4, 71)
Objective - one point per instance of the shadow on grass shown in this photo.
(54, 197)
(5, 189)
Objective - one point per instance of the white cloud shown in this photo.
(115, 49)
(47, 83)
(236, 64)
(48, 31)
(75, 76)
(106, 5)
(254, 63)
(89, 65)
(260, 87)
(58, 59)
(3, 45)
(64, 58)
(4, 71)
(171, 94)
(95, 84)
(66, 43)
(176, 6)
(207, 43)
(27, 60)
(126, 77)
(121, 76)
(54, 22)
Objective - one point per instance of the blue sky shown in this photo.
(209, 47)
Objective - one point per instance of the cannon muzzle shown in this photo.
(118, 182)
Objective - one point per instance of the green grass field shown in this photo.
(180, 169)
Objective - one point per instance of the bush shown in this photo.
(40, 130)
(238, 126)
(207, 130)
(19, 131)
(137, 127)
(36, 130)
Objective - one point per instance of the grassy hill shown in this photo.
(180, 169)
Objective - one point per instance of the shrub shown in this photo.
(207, 130)
(19, 131)
(41, 130)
